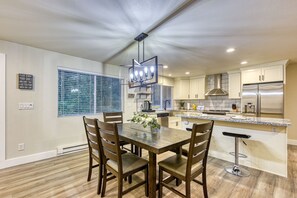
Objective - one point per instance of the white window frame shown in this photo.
(95, 74)
(161, 98)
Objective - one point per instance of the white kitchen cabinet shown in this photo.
(197, 88)
(181, 89)
(193, 88)
(263, 74)
(273, 73)
(234, 91)
(174, 122)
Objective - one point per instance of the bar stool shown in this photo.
(235, 169)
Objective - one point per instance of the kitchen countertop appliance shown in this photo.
(263, 100)
(147, 106)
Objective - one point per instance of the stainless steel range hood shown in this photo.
(217, 90)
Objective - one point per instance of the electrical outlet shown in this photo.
(21, 146)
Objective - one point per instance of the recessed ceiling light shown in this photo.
(165, 66)
(169, 74)
(229, 50)
(243, 62)
(187, 73)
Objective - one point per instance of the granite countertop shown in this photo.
(239, 119)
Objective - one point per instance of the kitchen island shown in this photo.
(266, 149)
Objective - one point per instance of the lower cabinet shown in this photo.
(170, 122)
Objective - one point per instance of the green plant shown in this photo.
(182, 104)
(145, 120)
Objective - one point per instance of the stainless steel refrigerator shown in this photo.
(263, 100)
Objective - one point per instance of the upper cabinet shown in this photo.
(197, 88)
(182, 89)
(193, 88)
(234, 91)
(270, 72)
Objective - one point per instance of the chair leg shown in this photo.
(188, 188)
(160, 183)
(204, 183)
(146, 182)
(90, 168)
(130, 179)
(120, 187)
(140, 152)
(104, 180)
(99, 179)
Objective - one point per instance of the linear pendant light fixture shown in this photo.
(144, 73)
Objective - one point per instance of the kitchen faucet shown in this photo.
(165, 102)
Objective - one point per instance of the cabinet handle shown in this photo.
(188, 95)
(262, 77)
(176, 123)
(259, 77)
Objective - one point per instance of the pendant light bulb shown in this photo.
(136, 73)
(131, 76)
(145, 70)
(141, 73)
(152, 68)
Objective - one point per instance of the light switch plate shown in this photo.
(26, 106)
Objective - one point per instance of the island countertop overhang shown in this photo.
(235, 119)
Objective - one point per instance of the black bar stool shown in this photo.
(235, 169)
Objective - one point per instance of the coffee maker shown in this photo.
(147, 105)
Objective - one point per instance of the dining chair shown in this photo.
(117, 117)
(95, 148)
(120, 165)
(188, 168)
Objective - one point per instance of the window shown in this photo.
(80, 93)
(160, 94)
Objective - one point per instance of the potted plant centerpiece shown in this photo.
(146, 122)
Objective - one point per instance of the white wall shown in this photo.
(2, 107)
(40, 129)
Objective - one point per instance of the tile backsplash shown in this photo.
(214, 102)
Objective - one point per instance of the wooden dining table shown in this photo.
(166, 139)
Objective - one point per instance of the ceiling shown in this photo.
(194, 40)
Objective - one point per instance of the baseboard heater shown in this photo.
(66, 149)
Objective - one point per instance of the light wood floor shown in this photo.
(66, 176)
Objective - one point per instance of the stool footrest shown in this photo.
(236, 135)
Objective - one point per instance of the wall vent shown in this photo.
(71, 148)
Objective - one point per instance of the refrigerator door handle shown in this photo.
(258, 105)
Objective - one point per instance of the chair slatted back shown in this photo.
(113, 117)
(93, 138)
(110, 142)
(199, 145)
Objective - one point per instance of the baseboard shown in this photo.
(292, 142)
(27, 159)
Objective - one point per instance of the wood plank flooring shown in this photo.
(66, 176)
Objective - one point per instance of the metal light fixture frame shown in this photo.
(141, 74)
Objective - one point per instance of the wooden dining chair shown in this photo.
(188, 168)
(120, 165)
(95, 148)
(117, 117)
